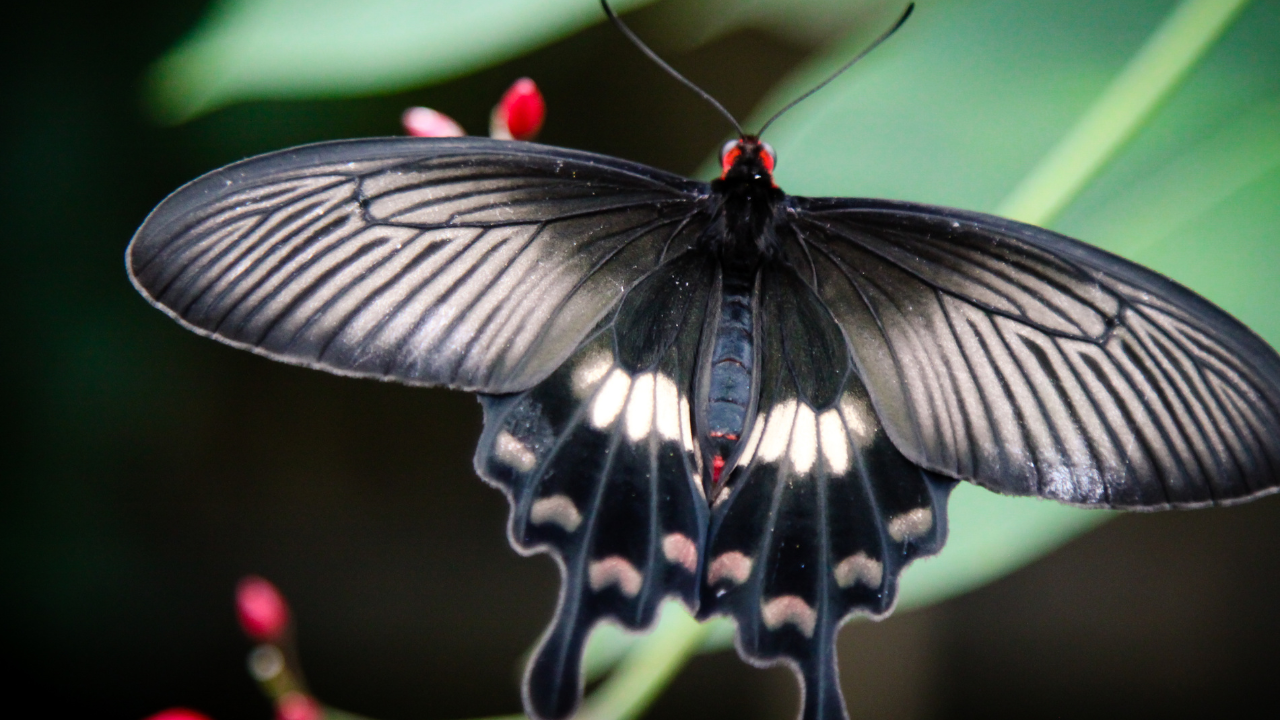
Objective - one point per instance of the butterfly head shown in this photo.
(747, 159)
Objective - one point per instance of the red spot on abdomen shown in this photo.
(717, 466)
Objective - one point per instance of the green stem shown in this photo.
(1128, 102)
(645, 669)
(648, 667)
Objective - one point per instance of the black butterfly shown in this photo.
(753, 402)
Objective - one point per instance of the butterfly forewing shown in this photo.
(601, 468)
(1036, 365)
(464, 262)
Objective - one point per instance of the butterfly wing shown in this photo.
(1034, 364)
(601, 469)
(466, 262)
(823, 512)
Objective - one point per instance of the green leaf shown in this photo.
(970, 97)
(1126, 104)
(291, 49)
(807, 22)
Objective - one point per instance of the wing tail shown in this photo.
(599, 464)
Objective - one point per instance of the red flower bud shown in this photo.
(425, 122)
(520, 112)
(178, 713)
(261, 609)
(298, 706)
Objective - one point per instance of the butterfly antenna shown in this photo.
(670, 70)
(885, 36)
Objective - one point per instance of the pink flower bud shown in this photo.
(261, 609)
(298, 706)
(520, 112)
(178, 713)
(425, 122)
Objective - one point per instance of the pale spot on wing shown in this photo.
(789, 609)
(513, 452)
(667, 408)
(615, 570)
(753, 441)
(686, 431)
(859, 568)
(640, 407)
(733, 566)
(610, 399)
(557, 510)
(679, 549)
(835, 441)
(777, 431)
(589, 371)
(911, 524)
(854, 410)
(804, 440)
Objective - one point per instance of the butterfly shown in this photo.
(752, 402)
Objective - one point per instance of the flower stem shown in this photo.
(648, 667)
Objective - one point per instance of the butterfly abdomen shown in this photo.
(729, 384)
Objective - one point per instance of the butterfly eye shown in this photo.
(768, 156)
(729, 154)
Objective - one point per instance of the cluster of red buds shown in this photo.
(517, 116)
(261, 609)
(264, 617)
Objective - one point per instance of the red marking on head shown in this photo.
(722, 434)
(766, 156)
(717, 467)
(729, 155)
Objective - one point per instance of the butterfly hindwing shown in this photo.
(465, 262)
(601, 470)
(1034, 364)
(822, 512)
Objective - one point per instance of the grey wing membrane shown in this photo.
(599, 464)
(466, 262)
(822, 512)
(1034, 364)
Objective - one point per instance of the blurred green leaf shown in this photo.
(289, 49)
(689, 23)
(1124, 107)
(968, 99)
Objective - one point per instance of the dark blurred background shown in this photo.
(148, 469)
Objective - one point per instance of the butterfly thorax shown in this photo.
(749, 206)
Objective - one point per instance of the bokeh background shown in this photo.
(147, 469)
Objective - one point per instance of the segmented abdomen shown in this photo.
(732, 357)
